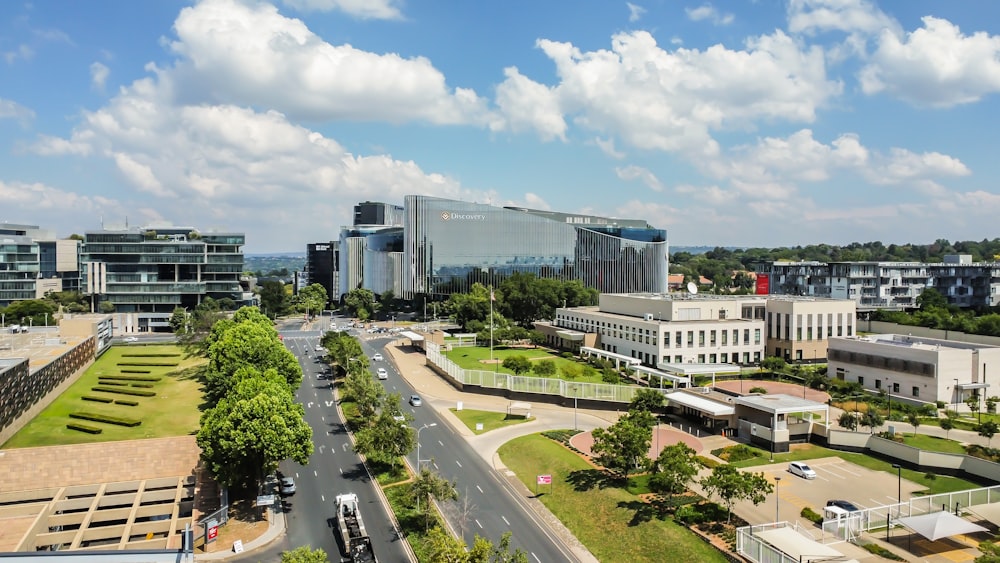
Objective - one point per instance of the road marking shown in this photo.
(322, 418)
(459, 464)
(322, 498)
(505, 520)
(480, 489)
(440, 443)
(315, 473)
(341, 470)
(536, 557)
(329, 403)
(310, 405)
(478, 524)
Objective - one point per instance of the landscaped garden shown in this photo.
(489, 419)
(130, 392)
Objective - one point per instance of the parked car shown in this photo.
(382, 374)
(286, 486)
(415, 400)
(844, 505)
(377, 358)
(131, 339)
(801, 469)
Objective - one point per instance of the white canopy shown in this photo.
(413, 336)
(797, 546)
(699, 404)
(989, 512)
(937, 525)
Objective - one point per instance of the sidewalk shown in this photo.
(275, 529)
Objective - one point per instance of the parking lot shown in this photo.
(835, 479)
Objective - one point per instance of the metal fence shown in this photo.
(755, 549)
(527, 384)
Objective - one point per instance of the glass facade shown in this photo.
(449, 245)
(19, 268)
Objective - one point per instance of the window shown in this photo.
(746, 337)
(895, 388)
(736, 337)
(678, 359)
(711, 358)
(725, 358)
(725, 337)
(701, 338)
(711, 338)
(756, 357)
(678, 336)
(916, 391)
(690, 339)
(861, 380)
(878, 383)
(756, 336)
(701, 358)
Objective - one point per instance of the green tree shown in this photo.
(649, 400)
(947, 424)
(390, 436)
(773, 364)
(428, 484)
(973, 404)
(571, 370)
(33, 312)
(360, 302)
(179, 320)
(472, 306)
(273, 298)
(304, 554)
(442, 547)
(623, 447)
(732, 485)
(517, 364)
(544, 368)
(847, 420)
(989, 553)
(361, 387)
(106, 307)
(931, 298)
(674, 470)
(484, 551)
(255, 426)
(247, 343)
(872, 420)
(987, 430)
(914, 420)
(312, 299)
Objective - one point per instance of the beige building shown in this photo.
(799, 329)
(917, 369)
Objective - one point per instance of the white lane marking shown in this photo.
(536, 557)
(505, 520)
(459, 464)
(310, 405)
(329, 403)
(315, 473)
(845, 470)
(478, 524)
(480, 489)
(435, 464)
(322, 498)
(440, 443)
(323, 418)
(341, 471)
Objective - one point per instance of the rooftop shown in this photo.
(917, 342)
(779, 403)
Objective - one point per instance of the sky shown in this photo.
(740, 123)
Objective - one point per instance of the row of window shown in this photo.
(915, 391)
(809, 326)
(723, 358)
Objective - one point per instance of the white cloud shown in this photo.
(251, 55)
(364, 9)
(709, 13)
(633, 172)
(635, 12)
(22, 51)
(849, 16)
(99, 75)
(139, 175)
(607, 146)
(713, 195)
(46, 205)
(659, 99)
(936, 65)
(10, 109)
(57, 146)
(526, 105)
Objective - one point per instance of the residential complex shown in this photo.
(321, 267)
(33, 263)
(885, 285)
(916, 369)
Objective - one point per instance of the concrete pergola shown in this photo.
(687, 370)
(618, 359)
(677, 380)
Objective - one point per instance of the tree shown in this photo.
(947, 424)
(33, 312)
(312, 299)
(847, 420)
(973, 404)
(304, 554)
(571, 370)
(249, 431)
(987, 430)
(106, 307)
(872, 420)
(544, 368)
(360, 302)
(179, 320)
(773, 364)
(272, 298)
(442, 547)
(361, 387)
(990, 553)
(484, 551)
(429, 484)
(914, 420)
(732, 485)
(390, 436)
(622, 447)
(649, 400)
(247, 343)
(931, 298)
(517, 364)
(674, 470)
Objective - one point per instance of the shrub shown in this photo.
(707, 462)
(151, 355)
(131, 377)
(143, 385)
(102, 381)
(98, 417)
(96, 399)
(568, 355)
(84, 428)
(149, 364)
(127, 402)
(877, 549)
(811, 515)
(135, 371)
(940, 404)
(123, 391)
(758, 390)
(930, 476)
(739, 452)
(688, 515)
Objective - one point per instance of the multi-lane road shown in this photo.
(488, 506)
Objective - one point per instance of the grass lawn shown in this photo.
(605, 518)
(173, 411)
(469, 358)
(490, 420)
(940, 484)
(933, 444)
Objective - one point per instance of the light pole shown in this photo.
(576, 395)
(955, 392)
(432, 424)
(899, 485)
(777, 499)
(888, 394)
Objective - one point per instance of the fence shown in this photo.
(756, 549)
(527, 384)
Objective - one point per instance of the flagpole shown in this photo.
(491, 324)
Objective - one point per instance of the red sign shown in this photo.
(213, 532)
(763, 284)
(544, 479)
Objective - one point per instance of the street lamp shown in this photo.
(899, 485)
(955, 392)
(432, 424)
(576, 395)
(777, 499)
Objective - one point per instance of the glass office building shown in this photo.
(449, 245)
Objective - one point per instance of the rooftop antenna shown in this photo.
(692, 288)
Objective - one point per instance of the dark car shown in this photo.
(843, 504)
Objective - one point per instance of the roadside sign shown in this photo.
(265, 500)
(212, 531)
(238, 546)
(544, 479)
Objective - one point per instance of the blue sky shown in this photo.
(766, 123)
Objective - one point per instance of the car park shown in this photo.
(415, 400)
(801, 469)
(843, 505)
(377, 358)
(286, 486)
(382, 374)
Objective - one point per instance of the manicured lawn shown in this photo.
(173, 411)
(940, 484)
(490, 420)
(933, 444)
(473, 357)
(603, 517)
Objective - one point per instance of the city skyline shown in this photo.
(766, 124)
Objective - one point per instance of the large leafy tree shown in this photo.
(30, 311)
(622, 447)
(312, 298)
(390, 436)
(444, 548)
(304, 554)
(649, 400)
(248, 343)
(517, 364)
(360, 386)
(361, 303)
(473, 306)
(674, 469)
(428, 484)
(254, 427)
(732, 485)
(273, 298)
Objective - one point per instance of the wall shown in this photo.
(881, 327)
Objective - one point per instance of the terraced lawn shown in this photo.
(477, 358)
(490, 420)
(172, 411)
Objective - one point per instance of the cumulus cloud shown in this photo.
(363, 9)
(249, 54)
(99, 75)
(652, 98)
(633, 172)
(635, 12)
(935, 65)
(607, 146)
(708, 12)
(46, 205)
(22, 51)
(848, 16)
(528, 105)
(10, 109)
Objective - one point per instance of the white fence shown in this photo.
(755, 549)
(528, 384)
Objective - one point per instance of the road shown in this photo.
(487, 506)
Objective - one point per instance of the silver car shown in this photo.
(801, 469)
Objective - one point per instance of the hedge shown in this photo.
(150, 364)
(147, 378)
(84, 428)
(707, 462)
(124, 391)
(127, 402)
(142, 385)
(151, 355)
(101, 381)
(96, 399)
(98, 417)
(134, 371)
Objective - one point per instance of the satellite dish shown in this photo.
(692, 288)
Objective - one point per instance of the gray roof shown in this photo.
(778, 403)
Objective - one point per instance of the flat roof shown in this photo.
(915, 342)
(412, 336)
(698, 369)
(779, 403)
(700, 403)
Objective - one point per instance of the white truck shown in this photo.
(356, 543)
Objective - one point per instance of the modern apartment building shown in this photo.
(145, 273)
(917, 369)
(322, 267)
(33, 262)
(885, 285)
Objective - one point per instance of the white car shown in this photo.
(415, 400)
(286, 486)
(377, 358)
(801, 469)
(382, 374)
(131, 339)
